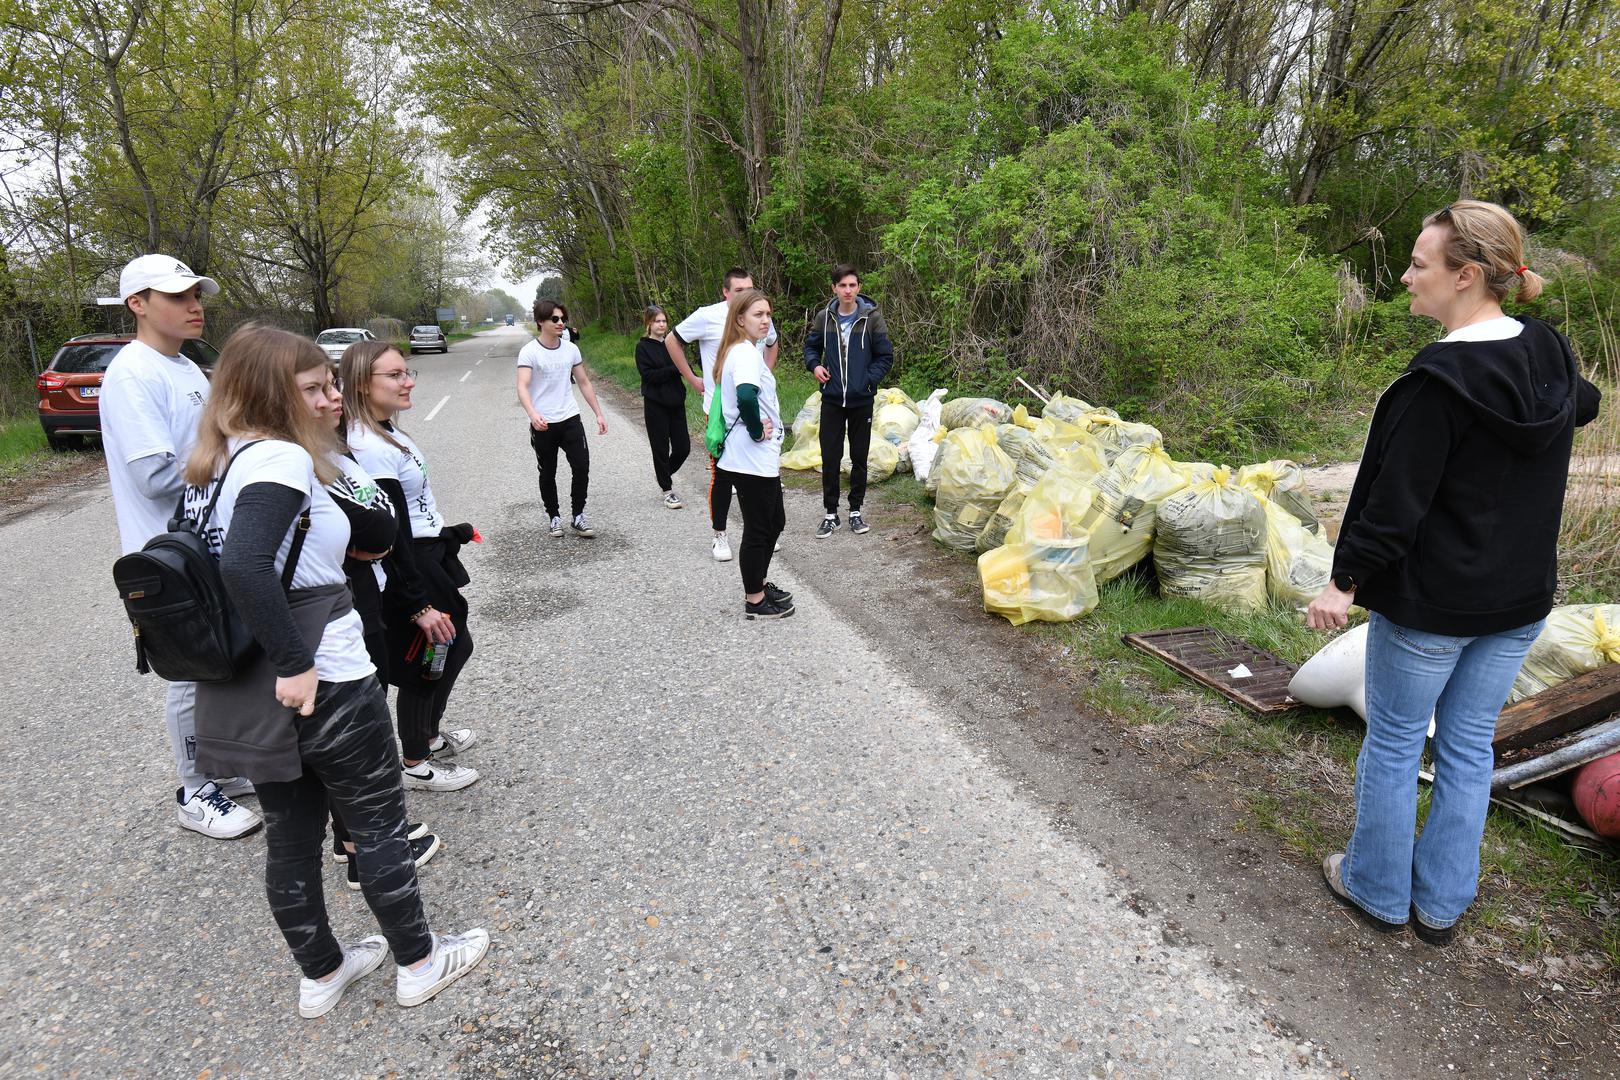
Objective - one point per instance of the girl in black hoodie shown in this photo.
(663, 403)
(1450, 540)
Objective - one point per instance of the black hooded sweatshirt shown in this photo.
(1452, 525)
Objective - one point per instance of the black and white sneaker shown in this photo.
(672, 501)
(556, 528)
(582, 527)
(857, 523)
(423, 848)
(767, 609)
(781, 596)
(828, 526)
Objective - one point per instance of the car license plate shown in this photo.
(89, 391)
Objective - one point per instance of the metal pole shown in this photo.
(33, 353)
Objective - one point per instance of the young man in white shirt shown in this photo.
(548, 368)
(704, 326)
(151, 399)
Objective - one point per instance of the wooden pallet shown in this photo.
(1207, 655)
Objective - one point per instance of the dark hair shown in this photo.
(543, 310)
(844, 270)
(648, 314)
(733, 274)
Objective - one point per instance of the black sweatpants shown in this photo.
(668, 437)
(569, 436)
(719, 496)
(764, 518)
(347, 747)
(836, 419)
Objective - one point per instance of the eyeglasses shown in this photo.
(558, 319)
(397, 376)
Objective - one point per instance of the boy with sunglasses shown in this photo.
(548, 368)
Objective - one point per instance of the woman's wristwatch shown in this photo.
(1345, 583)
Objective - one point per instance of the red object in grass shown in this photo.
(1597, 795)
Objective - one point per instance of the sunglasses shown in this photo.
(558, 319)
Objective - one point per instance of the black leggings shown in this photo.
(760, 499)
(569, 436)
(421, 704)
(347, 747)
(719, 496)
(836, 420)
(668, 437)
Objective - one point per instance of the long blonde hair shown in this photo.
(254, 394)
(733, 333)
(354, 375)
(1486, 235)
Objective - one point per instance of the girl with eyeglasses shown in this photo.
(547, 370)
(307, 722)
(422, 604)
(1450, 539)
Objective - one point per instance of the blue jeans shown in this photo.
(1462, 682)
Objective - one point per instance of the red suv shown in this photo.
(71, 383)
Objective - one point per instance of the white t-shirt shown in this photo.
(387, 462)
(551, 386)
(1501, 328)
(742, 454)
(704, 326)
(341, 656)
(356, 485)
(150, 404)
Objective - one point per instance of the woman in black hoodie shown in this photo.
(664, 403)
(1450, 540)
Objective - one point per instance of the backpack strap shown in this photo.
(300, 530)
(219, 485)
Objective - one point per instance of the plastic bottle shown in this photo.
(434, 659)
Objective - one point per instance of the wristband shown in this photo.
(421, 613)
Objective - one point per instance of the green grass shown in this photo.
(22, 444)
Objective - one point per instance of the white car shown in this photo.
(334, 341)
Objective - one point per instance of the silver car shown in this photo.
(428, 338)
(339, 338)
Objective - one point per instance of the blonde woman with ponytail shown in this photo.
(1450, 541)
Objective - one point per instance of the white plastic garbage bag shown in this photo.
(920, 444)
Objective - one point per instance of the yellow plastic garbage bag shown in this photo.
(882, 459)
(1061, 434)
(1068, 409)
(1120, 519)
(973, 412)
(1195, 471)
(974, 476)
(1298, 562)
(894, 423)
(1021, 418)
(893, 395)
(937, 441)
(1209, 543)
(1048, 582)
(1052, 508)
(1283, 482)
(810, 411)
(1117, 436)
(1577, 638)
(806, 452)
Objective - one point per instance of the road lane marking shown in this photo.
(480, 361)
(437, 407)
(464, 377)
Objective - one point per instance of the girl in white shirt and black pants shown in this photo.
(751, 457)
(307, 721)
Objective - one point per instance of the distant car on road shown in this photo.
(509, 320)
(426, 338)
(70, 386)
(335, 340)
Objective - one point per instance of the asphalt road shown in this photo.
(705, 847)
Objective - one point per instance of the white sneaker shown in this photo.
(211, 812)
(454, 742)
(452, 957)
(316, 998)
(438, 776)
(722, 548)
(236, 787)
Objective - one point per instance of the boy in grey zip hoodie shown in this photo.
(847, 349)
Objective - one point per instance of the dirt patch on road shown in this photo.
(44, 478)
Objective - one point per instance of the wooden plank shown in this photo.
(1205, 655)
(1569, 706)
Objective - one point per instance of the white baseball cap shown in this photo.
(161, 272)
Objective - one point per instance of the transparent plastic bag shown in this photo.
(1120, 518)
(1283, 482)
(882, 459)
(894, 423)
(1577, 638)
(1118, 436)
(893, 395)
(921, 445)
(1298, 562)
(806, 452)
(1209, 543)
(973, 412)
(1047, 582)
(1068, 409)
(974, 476)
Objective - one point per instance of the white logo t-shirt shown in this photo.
(386, 462)
(704, 326)
(150, 404)
(551, 386)
(742, 454)
(341, 656)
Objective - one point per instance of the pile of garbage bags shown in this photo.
(1057, 504)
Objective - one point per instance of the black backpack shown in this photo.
(185, 627)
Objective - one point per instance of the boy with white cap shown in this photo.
(151, 399)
